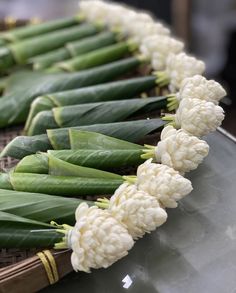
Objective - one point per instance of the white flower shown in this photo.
(180, 66)
(139, 30)
(201, 88)
(97, 239)
(198, 117)
(137, 210)
(179, 150)
(163, 182)
(93, 10)
(158, 47)
(115, 15)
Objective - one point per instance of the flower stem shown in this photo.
(130, 179)
(162, 78)
(102, 203)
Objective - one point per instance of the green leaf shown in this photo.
(63, 185)
(132, 131)
(40, 207)
(5, 182)
(14, 107)
(91, 43)
(37, 163)
(87, 114)
(38, 29)
(58, 167)
(102, 159)
(46, 60)
(72, 49)
(95, 58)
(93, 141)
(117, 90)
(19, 232)
(23, 50)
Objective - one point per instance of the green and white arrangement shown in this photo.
(83, 131)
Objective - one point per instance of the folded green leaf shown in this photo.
(117, 90)
(91, 43)
(102, 159)
(40, 207)
(28, 48)
(88, 140)
(87, 114)
(14, 107)
(37, 163)
(95, 58)
(57, 167)
(19, 232)
(72, 49)
(132, 131)
(88, 150)
(28, 31)
(62, 185)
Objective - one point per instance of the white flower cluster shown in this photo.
(157, 48)
(163, 182)
(200, 88)
(97, 239)
(198, 117)
(134, 24)
(181, 66)
(137, 210)
(180, 150)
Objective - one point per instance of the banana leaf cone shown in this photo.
(33, 30)
(100, 159)
(73, 49)
(58, 139)
(20, 232)
(117, 90)
(90, 149)
(67, 186)
(40, 207)
(87, 114)
(14, 106)
(96, 58)
(21, 51)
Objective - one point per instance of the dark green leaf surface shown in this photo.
(131, 131)
(87, 114)
(14, 107)
(57, 167)
(95, 58)
(118, 90)
(63, 185)
(73, 49)
(91, 43)
(22, 146)
(28, 48)
(101, 159)
(19, 232)
(40, 207)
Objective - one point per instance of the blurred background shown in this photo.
(208, 29)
